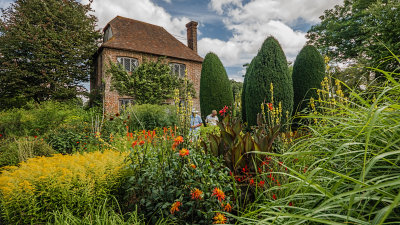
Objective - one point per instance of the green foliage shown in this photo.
(45, 55)
(237, 88)
(162, 177)
(308, 73)
(345, 168)
(215, 88)
(150, 83)
(244, 114)
(268, 67)
(14, 151)
(353, 31)
(39, 186)
(98, 215)
(38, 119)
(149, 117)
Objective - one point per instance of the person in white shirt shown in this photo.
(212, 119)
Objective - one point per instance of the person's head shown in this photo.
(194, 111)
(214, 112)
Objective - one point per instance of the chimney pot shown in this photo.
(192, 35)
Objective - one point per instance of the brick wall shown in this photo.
(111, 98)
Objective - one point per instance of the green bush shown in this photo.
(248, 69)
(308, 73)
(39, 186)
(163, 176)
(269, 66)
(149, 117)
(16, 150)
(215, 87)
(35, 119)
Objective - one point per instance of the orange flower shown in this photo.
(219, 219)
(219, 194)
(228, 207)
(178, 140)
(174, 146)
(193, 166)
(183, 152)
(141, 143)
(134, 144)
(175, 207)
(196, 194)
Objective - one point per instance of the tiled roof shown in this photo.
(130, 34)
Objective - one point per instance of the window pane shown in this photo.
(119, 60)
(127, 64)
(133, 64)
(176, 69)
(182, 70)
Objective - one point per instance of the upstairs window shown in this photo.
(107, 34)
(178, 69)
(129, 64)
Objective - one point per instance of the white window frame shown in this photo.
(129, 64)
(178, 69)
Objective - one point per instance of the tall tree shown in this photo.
(45, 49)
(215, 87)
(269, 66)
(308, 73)
(356, 32)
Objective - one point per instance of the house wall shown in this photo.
(111, 98)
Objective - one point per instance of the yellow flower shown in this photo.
(219, 219)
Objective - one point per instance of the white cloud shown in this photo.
(167, 1)
(144, 10)
(253, 22)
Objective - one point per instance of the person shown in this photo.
(212, 119)
(195, 123)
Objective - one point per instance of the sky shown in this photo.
(233, 29)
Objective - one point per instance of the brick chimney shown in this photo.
(192, 35)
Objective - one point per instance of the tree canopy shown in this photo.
(308, 73)
(46, 49)
(269, 66)
(215, 87)
(357, 31)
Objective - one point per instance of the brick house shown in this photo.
(129, 42)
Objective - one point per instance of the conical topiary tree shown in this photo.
(308, 73)
(269, 66)
(243, 100)
(215, 87)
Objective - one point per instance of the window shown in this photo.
(125, 102)
(107, 34)
(129, 64)
(178, 69)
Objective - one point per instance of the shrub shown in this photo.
(176, 183)
(20, 149)
(308, 72)
(269, 66)
(215, 87)
(244, 115)
(42, 185)
(35, 119)
(149, 117)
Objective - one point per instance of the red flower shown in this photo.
(134, 144)
(175, 207)
(36, 137)
(261, 183)
(183, 152)
(219, 194)
(251, 181)
(196, 194)
(141, 142)
(1, 135)
(274, 196)
(290, 204)
(270, 106)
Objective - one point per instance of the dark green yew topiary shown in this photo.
(215, 87)
(269, 66)
(308, 72)
(243, 101)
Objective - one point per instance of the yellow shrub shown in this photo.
(39, 186)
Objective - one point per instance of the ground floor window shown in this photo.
(125, 102)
